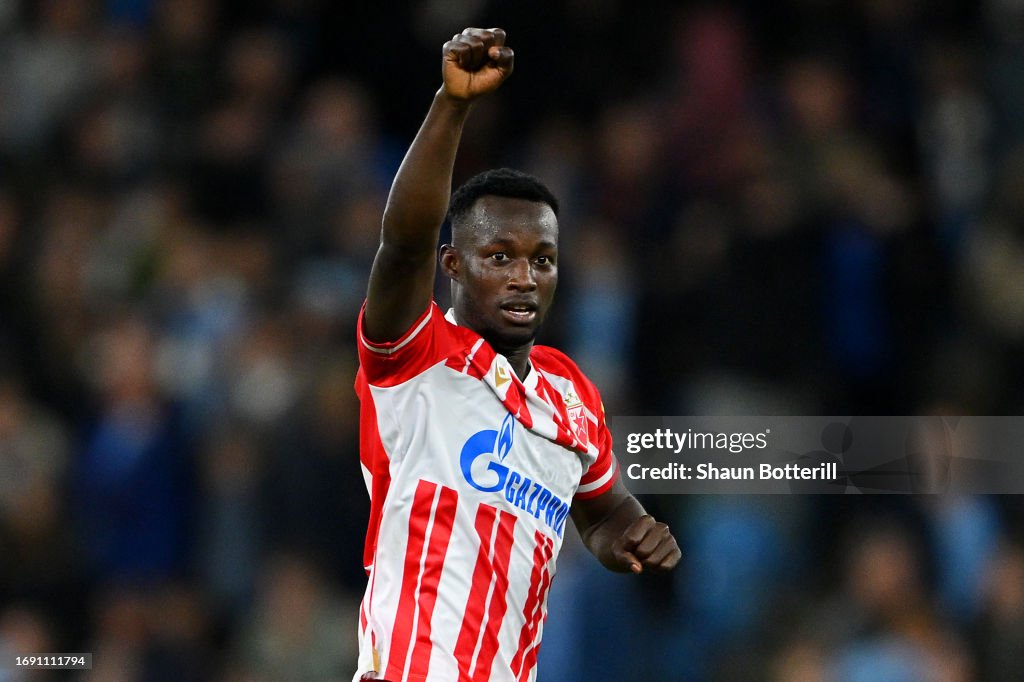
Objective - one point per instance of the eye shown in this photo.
(545, 260)
(500, 256)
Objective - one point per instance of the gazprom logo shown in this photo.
(482, 461)
(489, 442)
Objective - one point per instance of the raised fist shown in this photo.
(647, 545)
(475, 62)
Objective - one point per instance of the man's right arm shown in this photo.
(402, 278)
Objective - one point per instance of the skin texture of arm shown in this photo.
(474, 63)
(624, 537)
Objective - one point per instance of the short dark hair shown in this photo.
(500, 182)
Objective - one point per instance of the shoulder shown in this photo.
(431, 339)
(547, 358)
(553, 361)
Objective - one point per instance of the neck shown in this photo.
(519, 359)
(518, 356)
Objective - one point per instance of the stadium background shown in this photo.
(797, 207)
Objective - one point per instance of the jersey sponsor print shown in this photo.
(471, 472)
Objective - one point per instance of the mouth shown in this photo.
(519, 312)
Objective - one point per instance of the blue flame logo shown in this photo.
(489, 442)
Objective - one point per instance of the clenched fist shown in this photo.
(647, 544)
(476, 62)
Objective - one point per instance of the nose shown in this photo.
(520, 276)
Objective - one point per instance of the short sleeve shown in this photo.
(602, 474)
(394, 362)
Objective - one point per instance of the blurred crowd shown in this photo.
(798, 207)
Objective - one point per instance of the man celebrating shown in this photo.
(475, 443)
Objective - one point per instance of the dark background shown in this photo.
(797, 207)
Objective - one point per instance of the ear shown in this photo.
(449, 259)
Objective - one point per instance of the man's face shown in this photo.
(504, 266)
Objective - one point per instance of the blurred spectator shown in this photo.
(119, 634)
(799, 207)
(48, 70)
(601, 312)
(992, 301)
(23, 630)
(157, 633)
(40, 569)
(1000, 631)
(230, 532)
(955, 137)
(328, 157)
(312, 499)
(901, 636)
(132, 482)
(966, 532)
(800, 661)
(298, 630)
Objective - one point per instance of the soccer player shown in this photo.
(476, 444)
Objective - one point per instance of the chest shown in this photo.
(452, 429)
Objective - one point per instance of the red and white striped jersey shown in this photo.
(470, 472)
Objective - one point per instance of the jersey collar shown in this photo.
(530, 382)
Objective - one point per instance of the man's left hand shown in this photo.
(647, 545)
